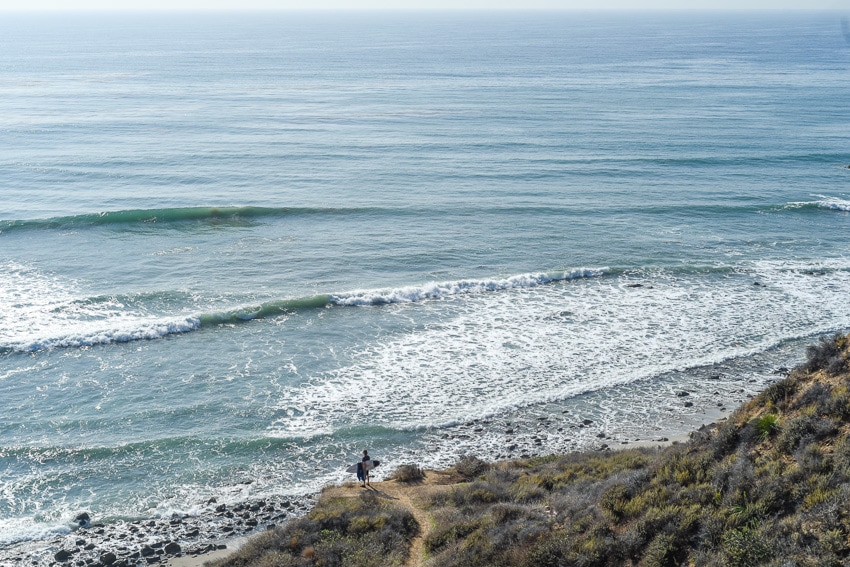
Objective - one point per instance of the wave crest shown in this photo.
(71, 322)
(439, 290)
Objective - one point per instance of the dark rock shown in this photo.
(714, 377)
(601, 435)
(221, 508)
(586, 421)
(89, 547)
(147, 551)
(689, 404)
(212, 501)
(682, 394)
(172, 548)
(62, 555)
(221, 546)
(83, 520)
(634, 285)
(108, 558)
(193, 533)
(80, 542)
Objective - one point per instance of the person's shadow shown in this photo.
(380, 493)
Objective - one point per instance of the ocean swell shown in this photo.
(170, 215)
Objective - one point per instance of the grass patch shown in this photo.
(339, 531)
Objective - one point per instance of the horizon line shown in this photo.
(404, 10)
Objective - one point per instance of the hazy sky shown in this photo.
(15, 5)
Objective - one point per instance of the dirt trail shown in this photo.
(410, 496)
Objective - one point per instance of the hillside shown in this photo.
(769, 486)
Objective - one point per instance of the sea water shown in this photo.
(237, 249)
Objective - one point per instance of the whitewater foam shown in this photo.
(833, 203)
(823, 202)
(440, 290)
(491, 353)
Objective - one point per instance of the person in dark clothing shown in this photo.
(360, 476)
(365, 479)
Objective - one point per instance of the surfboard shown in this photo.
(367, 465)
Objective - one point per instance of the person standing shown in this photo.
(366, 457)
(360, 477)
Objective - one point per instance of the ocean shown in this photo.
(238, 249)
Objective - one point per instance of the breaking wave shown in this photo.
(823, 202)
(68, 322)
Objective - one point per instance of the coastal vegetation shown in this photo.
(768, 486)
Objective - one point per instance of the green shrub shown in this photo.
(780, 392)
(661, 552)
(614, 501)
(745, 548)
(767, 425)
(826, 355)
(796, 429)
(470, 466)
(408, 473)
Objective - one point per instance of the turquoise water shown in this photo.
(245, 247)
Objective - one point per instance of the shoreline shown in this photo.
(234, 545)
(190, 541)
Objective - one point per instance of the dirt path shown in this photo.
(410, 496)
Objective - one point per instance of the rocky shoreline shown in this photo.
(155, 541)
